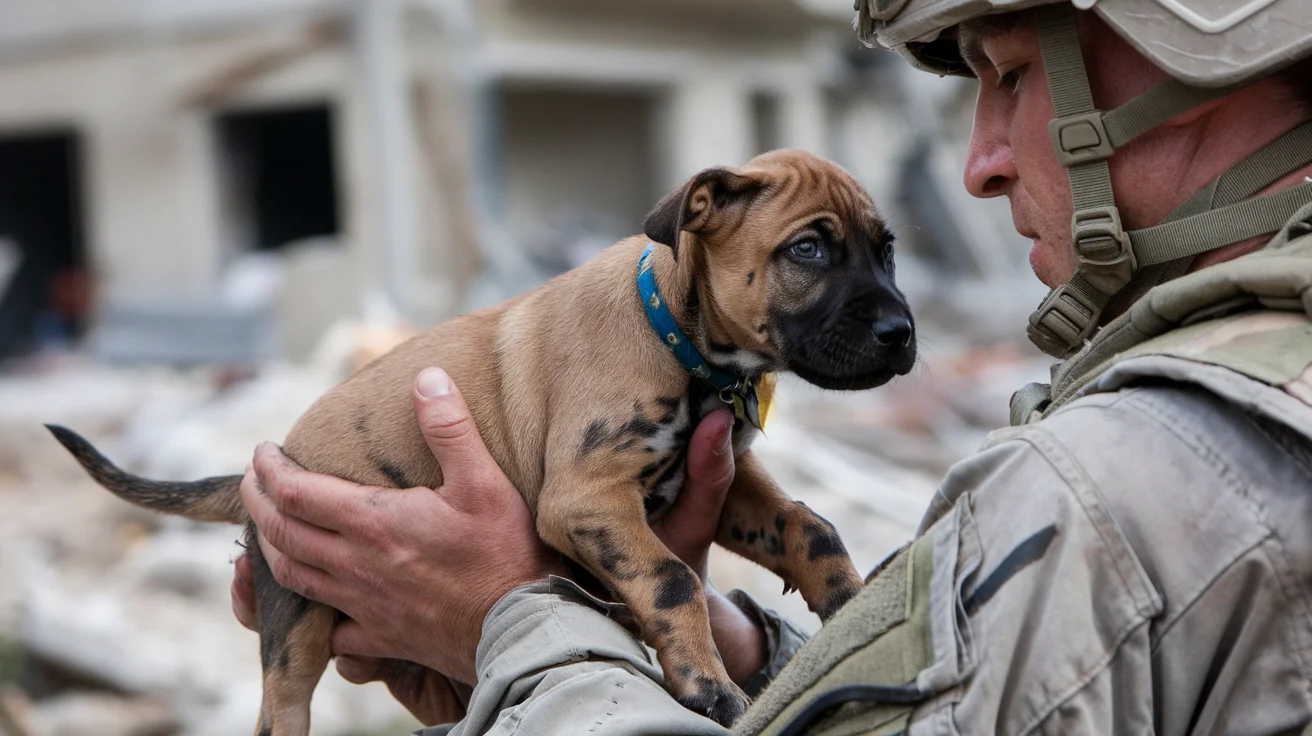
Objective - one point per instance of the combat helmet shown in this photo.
(1209, 48)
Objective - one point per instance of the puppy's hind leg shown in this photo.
(295, 637)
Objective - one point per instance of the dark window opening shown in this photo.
(279, 179)
(45, 291)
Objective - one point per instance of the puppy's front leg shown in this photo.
(604, 528)
(760, 522)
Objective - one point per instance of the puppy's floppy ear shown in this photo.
(699, 205)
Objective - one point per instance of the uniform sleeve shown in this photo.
(1054, 614)
(1132, 576)
(554, 660)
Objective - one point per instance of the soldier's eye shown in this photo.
(1010, 81)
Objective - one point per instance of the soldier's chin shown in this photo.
(828, 378)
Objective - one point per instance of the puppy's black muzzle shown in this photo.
(860, 339)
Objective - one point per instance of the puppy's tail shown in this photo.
(212, 499)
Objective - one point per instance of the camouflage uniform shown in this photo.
(1134, 555)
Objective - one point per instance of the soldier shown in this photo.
(1134, 555)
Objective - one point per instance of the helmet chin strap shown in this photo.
(1108, 257)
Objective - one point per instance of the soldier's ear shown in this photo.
(701, 205)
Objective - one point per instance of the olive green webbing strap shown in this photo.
(1219, 227)
(1154, 107)
(1070, 312)
(1220, 213)
(1108, 258)
(1068, 83)
(1279, 158)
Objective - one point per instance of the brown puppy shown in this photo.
(783, 264)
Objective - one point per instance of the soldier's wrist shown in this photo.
(739, 637)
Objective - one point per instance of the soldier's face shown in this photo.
(1010, 152)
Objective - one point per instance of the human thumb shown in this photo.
(450, 432)
(710, 472)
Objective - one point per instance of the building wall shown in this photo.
(611, 105)
(572, 154)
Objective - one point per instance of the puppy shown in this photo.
(587, 390)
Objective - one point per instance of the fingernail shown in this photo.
(725, 439)
(434, 382)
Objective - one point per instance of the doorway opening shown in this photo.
(278, 176)
(45, 289)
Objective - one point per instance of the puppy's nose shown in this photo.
(895, 330)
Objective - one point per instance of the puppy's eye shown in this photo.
(808, 250)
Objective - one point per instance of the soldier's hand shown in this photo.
(417, 570)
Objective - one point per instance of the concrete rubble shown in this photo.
(117, 621)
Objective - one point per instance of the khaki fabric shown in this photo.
(1174, 597)
(555, 660)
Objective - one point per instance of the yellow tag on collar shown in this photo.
(765, 394)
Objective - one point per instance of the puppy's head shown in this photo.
(788, 267)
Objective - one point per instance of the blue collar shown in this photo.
(737, 391)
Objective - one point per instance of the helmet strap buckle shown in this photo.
(1064, 320)
(1105, 255)
(1080, 139)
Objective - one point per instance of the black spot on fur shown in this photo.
(751, 276)
(678, 585)
(822, 542)
(362, 424)
(751, 537)
(653, 503)
(670, 407)
(737, 533)
(716, 701)
(277, 608)
(608, 554)
(638, 424)
(721, 347)
(266, 730)
(835, 579)
(593, 437)
(780, 523)
(674, 467)
(774, 544)
(662, 627)
(834, 601)
(393, 472)
(651, 469)
(670, 403)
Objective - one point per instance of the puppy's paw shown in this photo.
(721, 702)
